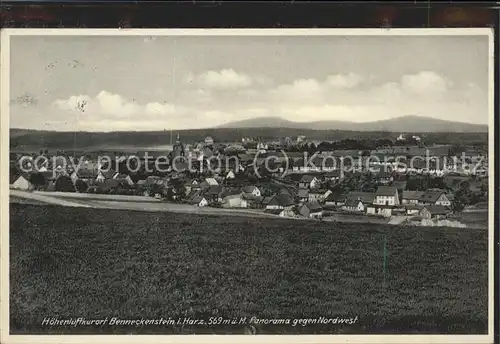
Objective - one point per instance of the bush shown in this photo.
(64, 184)
(81, 186)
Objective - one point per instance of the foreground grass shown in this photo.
(76, 262)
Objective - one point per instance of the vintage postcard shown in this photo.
(321, 185)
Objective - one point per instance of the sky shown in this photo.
(115, 83)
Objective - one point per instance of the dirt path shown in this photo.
(46, 199)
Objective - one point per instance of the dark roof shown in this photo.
(195, 193)
(332, 174)
(352, 202)
(412, 195)
(431, 196)
(85, 173)
(413, 206)
(382, 174)
(248, 189)
(282, 200)
(266, 200)
(196, 200)
(436, 209)
(112, 183)
(213, 190)
(317, 191)
(365, 197)
(399, 184)
(48, 175)
(14, 177)
(303, 193)
(122, 176)
(313, 206)
(386, 191)
(307, 178)
(108, 174)
(335, 197)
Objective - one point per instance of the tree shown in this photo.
(81, 186)
(64, 184)
(37, 180)
(457, 205)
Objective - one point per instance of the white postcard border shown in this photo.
(6, 34)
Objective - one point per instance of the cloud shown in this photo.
(112, 106)
(346, 97)
(221, 80)
(313, 90)
(344, 81)
(426, 82)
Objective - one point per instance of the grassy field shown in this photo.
(76, 262)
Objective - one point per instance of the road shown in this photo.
(128, 203)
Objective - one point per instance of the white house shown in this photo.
(103, 175)
(234, 201)
(308, 182)
(316, 195)
(379, 210)
(199, 201)
(20, 183)
(354, 205)
(230, 175)
(386, 195)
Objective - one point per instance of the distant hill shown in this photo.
(400, 124)
(24, 140)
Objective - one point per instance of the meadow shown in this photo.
(96, 263)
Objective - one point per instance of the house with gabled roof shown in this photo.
(104, 175)
(125, 178)
(386, 195)
(413, 209)
(252, 189)
(365, 197)
(316, 195)
(213, 193)
(280, 201)
(336, 199)
(234, 201)
(353, 206)
(333, 176)
(434, 212)
(303, 195)
(312, 210)
(198, 201)
(86, 175)
(435, 197)
(190, 185)
(20, 181)
(308, 181)
(412, 197)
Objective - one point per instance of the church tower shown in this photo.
(178, 148)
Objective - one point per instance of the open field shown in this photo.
(97, 263)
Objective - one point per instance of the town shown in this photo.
(295, 178)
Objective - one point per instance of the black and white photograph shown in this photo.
(226, 182)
